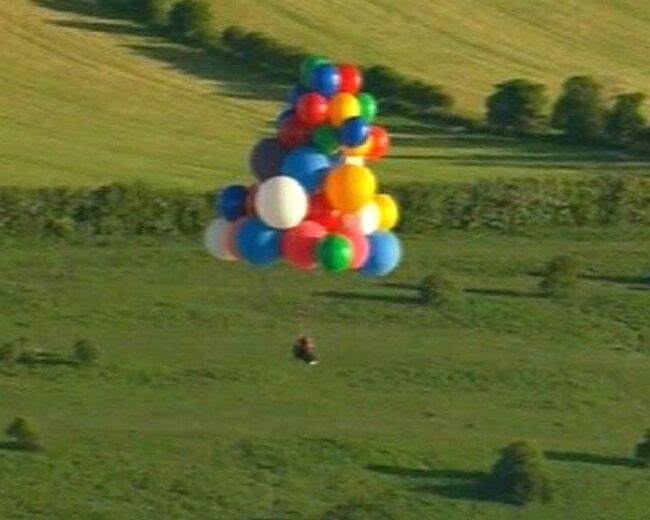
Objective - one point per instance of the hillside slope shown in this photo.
(85, 99)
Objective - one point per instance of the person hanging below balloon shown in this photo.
(303, 350)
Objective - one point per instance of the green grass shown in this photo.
(87, 99)
(196, 410)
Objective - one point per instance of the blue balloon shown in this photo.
(296, 93)
(308, 166)
(286, 114)
(326, 79)
(231, 202)
(258, 244)
(385, 254)
(354, 132)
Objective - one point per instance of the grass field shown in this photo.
(196, 411)
(85, 99)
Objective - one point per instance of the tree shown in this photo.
(85, 351)
(580, 110)
(8, 352)
(642, 452)
(192, 20)
(560, 276)
(625, 121)
(517, 106)
(24, 434)
(151, 11)
(438, 290)
(519, 475)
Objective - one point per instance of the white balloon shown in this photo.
(215, 240)
(366, 220)
(281, 202)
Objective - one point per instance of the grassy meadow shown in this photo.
(196, 410)
(87, 99)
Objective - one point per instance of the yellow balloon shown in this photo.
(388, 212)
(358, 151)
(343, 106)
(348, 188)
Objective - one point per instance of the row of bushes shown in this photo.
(136, 209)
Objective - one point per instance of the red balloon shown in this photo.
(231, 234)
(321, 211)
(294, 133)
(250, 201)
(351, 79)
(312, 109)
(360, 244)
(299, 244)
(380, 143)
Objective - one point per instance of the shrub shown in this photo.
(8, 352)
(24, 434)
(517, 106)
(625, 121)
(192, 20)
(580, 110)
(155, 12)
(438, 290)
(560, 276)
(519, 476)
(85, 352)
(642, 452)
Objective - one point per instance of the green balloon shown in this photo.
(368, 105)
(307, 68)
(326, 139)
(334, 253)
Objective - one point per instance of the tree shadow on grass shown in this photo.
(10, 446)
(447, 483)
(368, 297)
(621, 280)
(234, 77)
(590, 458)
(508, 293)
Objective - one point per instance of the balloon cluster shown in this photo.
(314, 203)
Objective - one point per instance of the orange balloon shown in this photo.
(349, 188)
(343, 106)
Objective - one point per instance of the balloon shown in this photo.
(366, 220)
(231, 234)
(296, 93)
(354, 160)
(321, 212)
(326, 139)
(354, 132)
(299, 243)
(293, 133)
(258, 244)
(312, 109)
(368, 106)
(349, 188)
(250, 201)
(326, 80)
(308, 166)
(380, 143)
(334, 253)
(388, 212)
(215, 239)
(360, 245)
(231, 202)
(307, 68)
(351, 79)
(385, 254)
(343, 106)
(284, 116)
(281, 202)
(266, 158)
